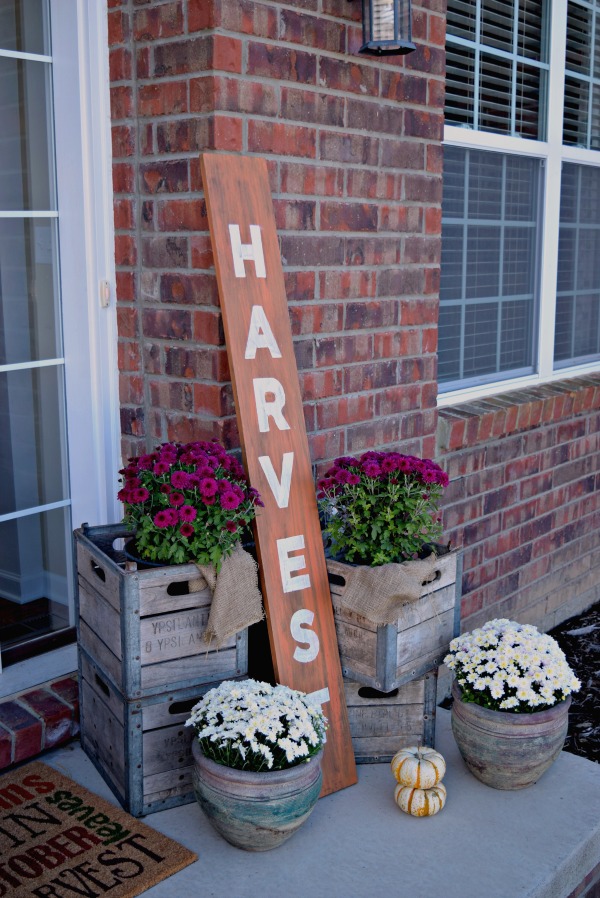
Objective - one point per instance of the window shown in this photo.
(577, 334)
(581, 124)
(496, 66)
(520, 278)
(489, 260)
(35, 526)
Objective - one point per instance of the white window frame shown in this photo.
(553, 154)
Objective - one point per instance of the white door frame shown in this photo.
(82, 128)
(86, 229)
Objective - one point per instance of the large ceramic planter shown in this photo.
(505, 750)
(256, 811)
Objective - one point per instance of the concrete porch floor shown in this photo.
(543, 842)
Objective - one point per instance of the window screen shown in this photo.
(488, 289)
(581, 122)
(496, 65)
(577, 330)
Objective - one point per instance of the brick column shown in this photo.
(353, 147)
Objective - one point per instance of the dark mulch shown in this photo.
(579, 638)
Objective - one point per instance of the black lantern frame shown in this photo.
(387, 27)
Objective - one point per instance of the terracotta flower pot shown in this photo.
(506, 750)
(256, 811)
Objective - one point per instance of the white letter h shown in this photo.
(252, 251)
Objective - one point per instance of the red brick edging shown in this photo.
(39, 719)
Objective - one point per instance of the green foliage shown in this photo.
(187, 502)
(382, 507)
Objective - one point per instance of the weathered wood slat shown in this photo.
(168, 783)
(381, 724)
(173, 710)
(410, 693)
(356, 644)
(101, 576)
(219, 665)
(432, 635)
(159, 595)
(429, 606)
(101, 688)
(104, 734)
(101, 654)
(167, 749)
(380, 749)
(175, 635)
(101, 618)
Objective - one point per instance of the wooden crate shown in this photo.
(141, 748)
(381, 724)
(388, 656)
(144, 628)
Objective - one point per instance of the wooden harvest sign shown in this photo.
(273, 436)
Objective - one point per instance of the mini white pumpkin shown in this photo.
(418, 766)
(420, 802)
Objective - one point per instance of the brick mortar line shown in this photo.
(320, 233)
(278, 158)
(266, 81)
(317, 52)
(297, 269)
(298, 338)
(400, 105)
(289, 7)
(332, 200)
(166, 118)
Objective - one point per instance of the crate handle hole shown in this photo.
(98, 571)
(181, 588)
(437, 575)
(336, 579)
(102, 685)
(369, 692)
(183, 707)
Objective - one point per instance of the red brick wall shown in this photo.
(353, 147)
(524, 501)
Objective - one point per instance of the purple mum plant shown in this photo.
(187, 502)
(381, 507)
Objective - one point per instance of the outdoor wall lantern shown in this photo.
(387, 27)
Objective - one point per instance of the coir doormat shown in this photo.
(57, 840)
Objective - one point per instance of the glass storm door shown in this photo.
(35, 521)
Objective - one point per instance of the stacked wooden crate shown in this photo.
(142, 665)
(390, 672)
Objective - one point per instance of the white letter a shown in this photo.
(260, 335)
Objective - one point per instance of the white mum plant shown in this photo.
(254, 726)
(508, 666)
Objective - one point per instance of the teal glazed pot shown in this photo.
(506, 750)
(256, 811)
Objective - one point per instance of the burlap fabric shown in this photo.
(236, 601)
(378, 593)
